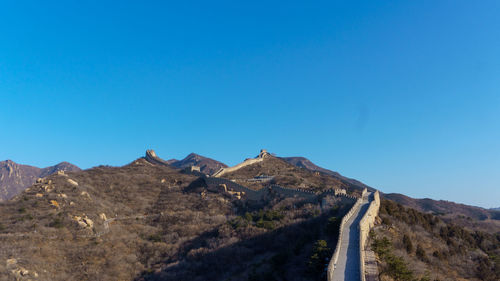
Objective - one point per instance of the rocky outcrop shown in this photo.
(84, 221)
(72, 182)
(14, 178)
(19, 272)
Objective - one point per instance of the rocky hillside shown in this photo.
(150, 221)
(280, 172)
(147, 221)
(467, 216)
(207, 166)
(411, 245)
(484, 219)
(14, 178)
(305, 163)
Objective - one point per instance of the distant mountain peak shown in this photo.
(207, 165)
(193, 156)
(305, 163)
(14, 177)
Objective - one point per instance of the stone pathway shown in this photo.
(348, 267)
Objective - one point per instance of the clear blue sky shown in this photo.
(403, 95)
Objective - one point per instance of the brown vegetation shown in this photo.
(417, 246)
(141, 222)
(287, 175)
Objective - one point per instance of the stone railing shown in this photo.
(366, 223)
(335, 256)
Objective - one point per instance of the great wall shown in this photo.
(368, 264)
(345, 219)
(153, 158)
(351, 260)
(262, 155)
(356, 262)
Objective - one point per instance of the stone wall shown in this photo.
(249, 193)
(153, 158)
(335, 256)
(366, 223)
(338, 192)
(263, 153)
(260, 194)
(293, 192)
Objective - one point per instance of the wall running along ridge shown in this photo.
(335, 256)
(250, 193)
(366, 223)
(284, 191)
(152, 158)
(263, 153)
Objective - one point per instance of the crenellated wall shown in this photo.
(249, 193)
(335, 256)
(284, 191)
(153, 158)
(366, 223)
(263, 153)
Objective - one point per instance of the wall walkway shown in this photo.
(345, 262)
(368, 264)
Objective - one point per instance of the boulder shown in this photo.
(11, 262)
(72, 182)
(85, 193)
(54, 203)
(84, 221)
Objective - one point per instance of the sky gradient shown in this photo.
(404, 96)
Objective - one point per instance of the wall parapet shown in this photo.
(154, 159)
(335, 256)
(263, 154)
(366, 223)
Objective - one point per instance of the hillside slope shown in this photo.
(305, 163)
(467, 216)
(147, 221)
(150, 221)
(484, 219)
(287, 175)
(412, 245)
(14, 178)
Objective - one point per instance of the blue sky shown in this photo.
(402, 95)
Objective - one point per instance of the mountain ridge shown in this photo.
(207, 165)
(305, 163)
(446, 209)
(173, 224)
(14, 177)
